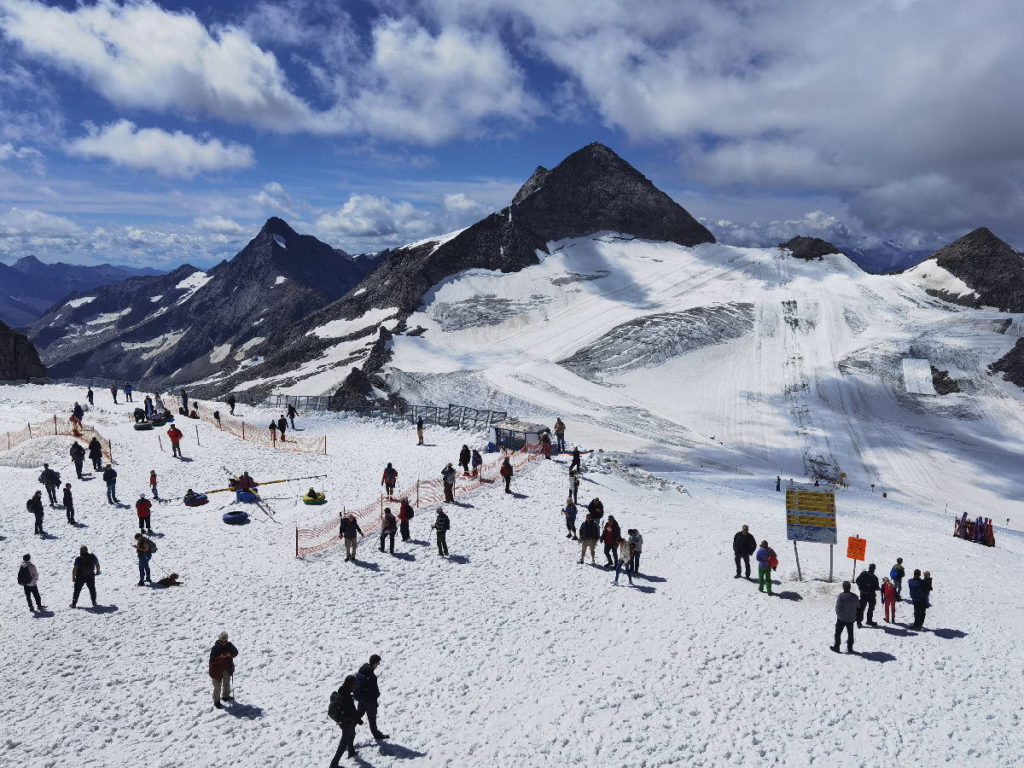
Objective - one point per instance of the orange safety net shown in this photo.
(252, 433)
(56, 426)
(421, 494)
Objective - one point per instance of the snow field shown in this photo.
(509, 653)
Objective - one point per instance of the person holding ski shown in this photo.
(506, 474)
(867, 583)
(624, 554)
(611, 536)
(282, 426)
(342, 710)
(476, 461)
(464, 457)
(144, 549)
(69, 504)
(441, 525)
(896, 573)
(419, 430)
(35, 506)
(231, 404)
(143, 509)
(389, 479)
(388, 528)
(110, 478)
(174, 435)
(448, 475)
(889, 599)
(83, 574)
(590, 532)
(560, 434)
(743, 546)
(349, 530)
(50, 479)
(77, 457)
(569, 512)
(28, 578)
(767, 561)
(405, 514)
(574, 486)
(367, 694)
(152, 484)
(222, 667)
(89, 396)
(846, 613)
(291, 413)
(96, 454)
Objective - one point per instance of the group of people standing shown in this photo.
(622, 553)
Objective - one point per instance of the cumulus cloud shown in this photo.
(169, 154)
(375, 218)
(273, 199)
(27, 222)
(31, 157)
(460, 203)
(219, 225)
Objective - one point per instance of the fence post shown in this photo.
(243, 430)
(55, 423)
(296, 541)
(417, 493)
(197, 435)
(30, 430)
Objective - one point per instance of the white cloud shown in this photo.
(29, 156)
(459, 203)
(26, 222)
(169, 154)
(377, 219)
(218, 225)
(273, 198)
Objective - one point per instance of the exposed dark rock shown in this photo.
(532, 184)
(808, 247)
(1011, 365)
(943, 384)
(356, 391)
(989, 266)
(18, 358)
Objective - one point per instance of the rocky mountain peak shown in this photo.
(808, 248)
(18, 358)
(989, 266)
(279, 227)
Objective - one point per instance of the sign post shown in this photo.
(810, 516)
(856, 549)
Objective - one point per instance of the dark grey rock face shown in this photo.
(1011, 365)
(989, 266)
(355, 392)
(808, 247)
(18, 358)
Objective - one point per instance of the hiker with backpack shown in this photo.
(143, 509)
(77, 457)
(367, 694)
(405, 514)
(342, 710)
(545, 445)
(96, 454)
(221, 668)
(569, 512)
(35, 506)
(506, 473)
(767, 561)
(448, 475)
(388, 528)
(28, 578)
(69, 504)
(83, 574)
(846, 613)
(144, 549)
(576, 463)
(50, 478)
(349, 530)
(743, 546)
(590, 532)
(175, 435)
(441, 525)
(389, 480)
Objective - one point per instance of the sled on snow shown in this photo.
(235, 517)
(196, 500)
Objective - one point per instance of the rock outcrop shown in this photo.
(808, 247)
(18, 358)
(989, 267)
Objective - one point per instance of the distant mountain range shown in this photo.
(29, 287)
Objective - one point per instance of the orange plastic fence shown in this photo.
(56, 426)
(421, 494)
(252, 433)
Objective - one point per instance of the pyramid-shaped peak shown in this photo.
(278, 226)
(983, 236)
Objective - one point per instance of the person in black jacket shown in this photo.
(83, 574)
(110, 478)
(349, 530)
(282, 425)
(291, 413)
(867, 583)
(35, 506)
(77, 457)
(611, 536)
(464, 457)
(231, 404)
(590, 532)
(388, 528)
(367, 693)
(441, 525)
(743, 546)
(89, 396)
(50, 479)
(348, 718)
(596, 509)
(96, 454)
(69, 504)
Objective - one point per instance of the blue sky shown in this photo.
(157, 133)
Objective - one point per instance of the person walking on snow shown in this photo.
(896, 573)
(506, 473)
(405, 514)
(77, 457)
(96, 454)
(589, 534)
(35, 506)
(778, 483)
(184, 400)
(144, 549)
(767, 561)
(464, 457)
(919, 597)
(231, 404)
(636, 543)
(128, 393)
(152, 484)
(83, 574)
(175, 435)
(560, 434)
(51, 482)
(349, 530)
(69, 504)
(28, 578)
(89, 396)
(596, 509)
(78, 412)
(419, 431)
(743, 546)
(867, 583)
(388, 527)
(575, 463)
(545, 445)
(282, 426)
(611, 536)
(343, 711)
(448, 475)
(291, 413)
(476, 461)
(110, 478)
(570, 512)
(574, 486)
(222, 667)
(389, 479)
(846, 614)
(367, 693)
(441, 525)
(889, 599)
(113, 392)
(143, 508)
(624, 554)
(273, 431)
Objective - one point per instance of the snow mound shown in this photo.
(108, 317)
(79, 302)
(336, 329)
(35, 453)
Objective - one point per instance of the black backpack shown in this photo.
(24, 577)
(411, 513)
(334, 708)
(152, 545)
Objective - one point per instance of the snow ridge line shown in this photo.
(54, 427)
(421, 494)
(255, 434)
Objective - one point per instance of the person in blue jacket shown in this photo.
(896, 573)
(919, 597)
(570, 512)
(764, 558)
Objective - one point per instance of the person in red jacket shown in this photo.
(506, 472)
(143, 507)
(405, 514)
(389, 479)
(889, 599)
(245, 483)
(175, 436)
(611, 536)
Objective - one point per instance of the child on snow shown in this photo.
(889, 599)
(152, 483)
